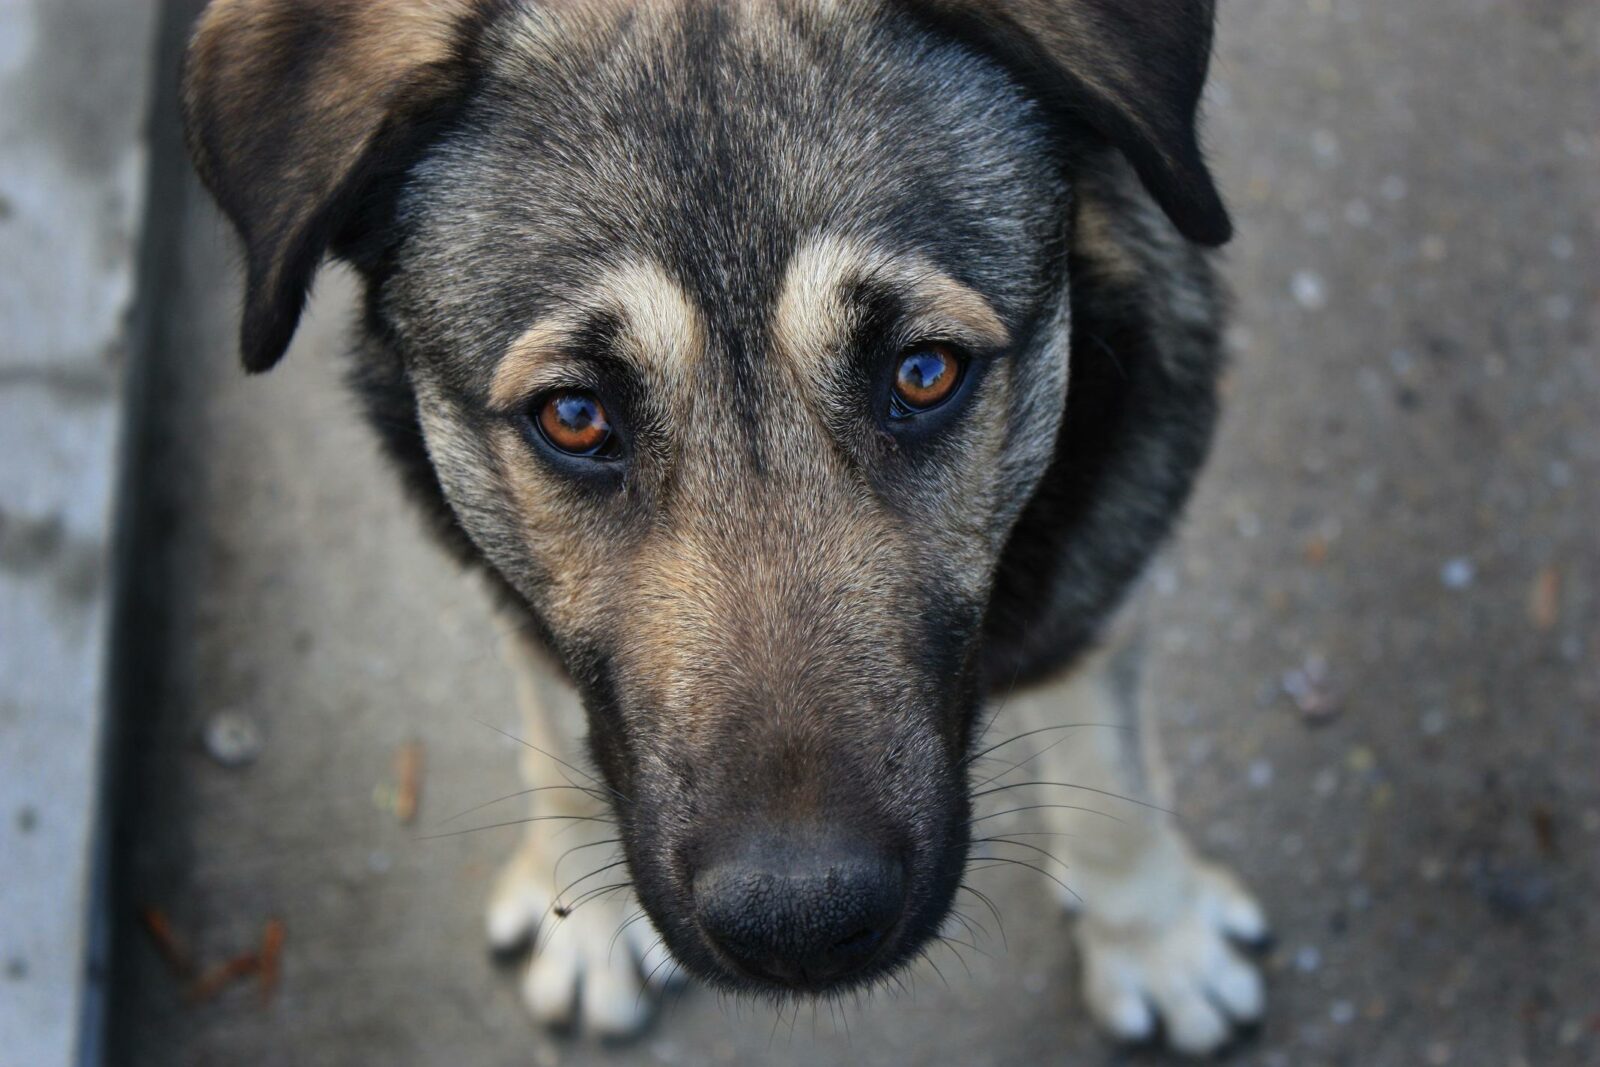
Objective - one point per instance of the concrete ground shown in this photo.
(1379, 632)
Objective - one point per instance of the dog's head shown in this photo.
(739, 339)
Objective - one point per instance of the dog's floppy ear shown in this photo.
(1131, 69)
(292, 109)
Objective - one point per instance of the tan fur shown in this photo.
(579, 559)
(378, 42)
(735, 619)
(527, 364)
(663, 333)
(812, 320)
(1099, 245)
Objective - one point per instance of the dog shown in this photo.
(812, 381)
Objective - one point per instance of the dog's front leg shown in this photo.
(565, 888)
(1157, 921)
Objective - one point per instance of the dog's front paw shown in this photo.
(1183, 971)
(596, 959)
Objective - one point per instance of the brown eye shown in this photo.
(924, 378)
(574, 421)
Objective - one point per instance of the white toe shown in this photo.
(1235, 910)
(515, 906)
(551, 987)
(1237, 987)
(1114, 994)
(614, 1003)
(512, 918)
(1243, 918)
(1194, 1025)
(1127, 1016)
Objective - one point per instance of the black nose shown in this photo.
(801, 909)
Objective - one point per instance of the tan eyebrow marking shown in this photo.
(813, 318)
(517, 374)
(662, 331)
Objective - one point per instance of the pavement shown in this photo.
(73, 100)
(1378, 636)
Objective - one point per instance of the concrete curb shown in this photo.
(76, 76)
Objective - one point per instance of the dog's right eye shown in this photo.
(575, 422)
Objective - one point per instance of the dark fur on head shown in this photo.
(725, 219)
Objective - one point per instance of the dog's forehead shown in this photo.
(700, 160)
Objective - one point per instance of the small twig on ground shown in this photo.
(271, 958)
(223, 975)
(408, 770)
(171, 948)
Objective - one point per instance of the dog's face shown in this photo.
(768, 381)
(739, 339)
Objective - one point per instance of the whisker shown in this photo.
(1035, 848)
(954, 951)
(553, 756)
(777, 1017)
(660, 941)
(1044, 730)
(964, 944)
(555, 869)
(511, 822)
(589, 894)
(1019, 764)
(1001, 704)
(993, 910)
(1035, 867)
(1071, 785)
(635, 917)
(1042, 807)
(899, 982)
(971, 926)
(683, 987)
(925, 955)
(561, 832)
(556, 906)
(1057, 743)
(520, 793)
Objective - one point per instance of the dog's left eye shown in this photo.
(925, 377)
